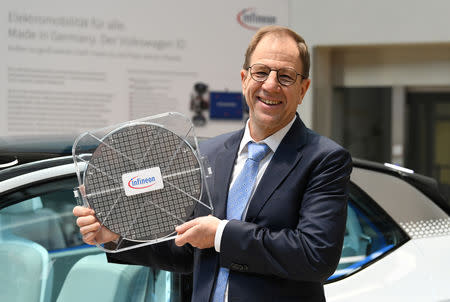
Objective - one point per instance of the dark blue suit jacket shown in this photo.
(291, 239)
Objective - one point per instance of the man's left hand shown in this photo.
(199, 232)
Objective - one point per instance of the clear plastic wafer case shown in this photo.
(142, 178)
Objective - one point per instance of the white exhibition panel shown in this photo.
(71, 66)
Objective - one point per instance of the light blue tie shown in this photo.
(237, 201)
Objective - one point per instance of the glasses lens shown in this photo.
(287, 76)
(259, 72)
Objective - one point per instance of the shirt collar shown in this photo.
(272, 141)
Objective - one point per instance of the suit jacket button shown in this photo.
(239, 267)
(236, 267)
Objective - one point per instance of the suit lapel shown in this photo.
(222, 175)
(283, 161)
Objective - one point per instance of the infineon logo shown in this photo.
(142, 181)
(250, 19)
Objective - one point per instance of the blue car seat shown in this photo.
(26, 269)
(99, 280)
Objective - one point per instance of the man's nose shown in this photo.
(271, 83)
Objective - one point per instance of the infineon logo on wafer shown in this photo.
(142, 181)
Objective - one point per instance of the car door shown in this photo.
(42, 255)
(386, 249)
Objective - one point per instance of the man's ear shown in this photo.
(244, 78)
(304, 85)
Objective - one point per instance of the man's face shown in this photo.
(272, 106)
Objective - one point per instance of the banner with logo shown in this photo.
(79, 65)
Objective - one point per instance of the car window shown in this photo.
(46, 219)
(370, 233)
(42, 251)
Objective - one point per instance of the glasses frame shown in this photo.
(278, 76)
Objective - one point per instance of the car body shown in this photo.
(396, 244)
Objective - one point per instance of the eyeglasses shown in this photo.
(286, 76)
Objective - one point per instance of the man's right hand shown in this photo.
(90, 227)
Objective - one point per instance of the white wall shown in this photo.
(355, 22)
(406, 65)
(371, 22)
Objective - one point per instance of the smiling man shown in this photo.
(279, 192)
(273, 97)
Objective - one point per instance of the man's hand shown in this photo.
(90, 227)
(199, 232)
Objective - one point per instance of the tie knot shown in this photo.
(256, 151)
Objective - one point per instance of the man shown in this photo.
(285, 238)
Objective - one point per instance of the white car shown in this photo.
(396, 247)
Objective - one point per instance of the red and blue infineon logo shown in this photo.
(138, 183)
(142, 181)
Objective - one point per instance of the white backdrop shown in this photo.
(69, 66)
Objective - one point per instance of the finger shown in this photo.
(179, 240)
(186, 226)
(82, 189)
(89, 238)
(86, 220)
(188, 237)
(182, 239)
(82, 211)
(90, 228)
